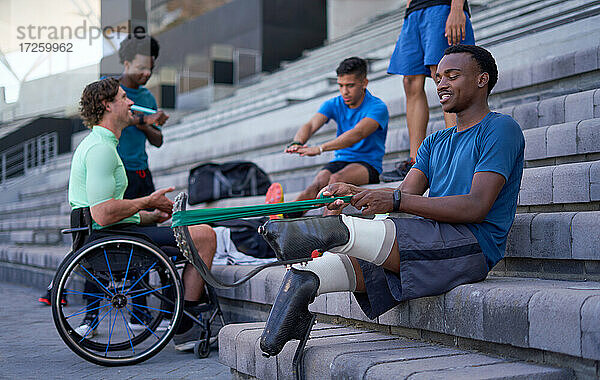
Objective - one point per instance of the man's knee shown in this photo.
(320, 181)
(414, 84)
(204, 238)
(336, 177)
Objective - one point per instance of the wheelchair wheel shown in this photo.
(113, 282)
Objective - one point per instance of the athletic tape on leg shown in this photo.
(335, 272)
(370, 240)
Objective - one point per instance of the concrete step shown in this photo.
(338, 352)
(560, 317)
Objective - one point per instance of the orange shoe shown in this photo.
(274, 195)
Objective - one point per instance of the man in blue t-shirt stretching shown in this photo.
(473, 172)
(362, 122)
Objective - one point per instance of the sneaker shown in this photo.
(187, 340)
(399, 172)
(136, 326)
(274, 195)
(86, 326)
(45, 299)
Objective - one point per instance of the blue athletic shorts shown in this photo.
(422, 43)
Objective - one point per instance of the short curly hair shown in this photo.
(133, 45)
(352, 65)
(91, 105)
(484, 59)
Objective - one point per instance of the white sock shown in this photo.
(335, 272)
(370, 240)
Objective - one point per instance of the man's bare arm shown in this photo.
(415, 182)
(361, 130)
(455, 30)
(115, 210)
(468, 208)
(153, 135)
(307, 130)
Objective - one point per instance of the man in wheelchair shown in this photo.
(98, 181)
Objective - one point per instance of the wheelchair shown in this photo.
(132, 279)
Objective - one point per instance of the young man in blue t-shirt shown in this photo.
(362, 121)
(473, 172)
(137, 56)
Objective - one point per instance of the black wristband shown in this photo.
(397, 199)
(294, 143)
(141, 119)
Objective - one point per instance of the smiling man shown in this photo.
(362, 121)
(137, 56)
(473, 172)
(98, 181)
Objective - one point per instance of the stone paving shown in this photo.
(30, 348)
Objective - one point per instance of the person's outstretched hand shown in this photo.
(455, 27)
(373, 201)
(338, 189)
(159, 200)
(308, 151)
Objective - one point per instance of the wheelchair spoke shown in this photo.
(109, 270)
(98, 281)
(111, 330)
(138, 280)
(127, 270)
(127, 328)
(69, 291)
(151, 291)
(85, 309)
(149, 307)
(142, 322)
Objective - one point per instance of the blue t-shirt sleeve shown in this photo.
(500, 147)
(380, 114)
(328, 109)
(423, 155)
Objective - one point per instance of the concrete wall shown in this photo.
(345, 15)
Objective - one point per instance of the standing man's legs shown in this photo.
(417, 111)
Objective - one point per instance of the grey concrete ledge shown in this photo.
(529, 313)
(336, 352)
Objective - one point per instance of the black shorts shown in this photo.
(139, 184)
(434, 258)
(336, 166)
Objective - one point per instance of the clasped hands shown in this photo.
(303, 149)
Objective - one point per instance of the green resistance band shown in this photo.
(207, 215)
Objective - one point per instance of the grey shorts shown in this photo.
(434, 258)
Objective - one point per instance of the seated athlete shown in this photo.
(473, 171)
(98, 181)
(362, 122)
